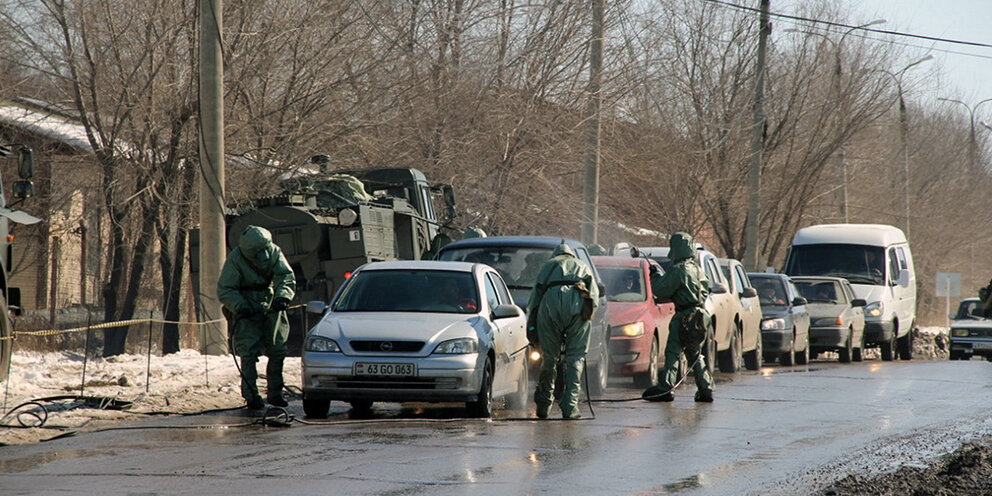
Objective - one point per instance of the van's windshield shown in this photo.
(859, 264)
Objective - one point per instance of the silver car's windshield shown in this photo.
(440, 291)
(821, 292)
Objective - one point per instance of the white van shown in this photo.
(876, 260)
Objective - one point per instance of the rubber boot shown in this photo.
(273, 374)
(249, 376)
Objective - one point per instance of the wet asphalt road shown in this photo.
(775, 431)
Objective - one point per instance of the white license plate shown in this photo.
(981, 346)
(386, 369)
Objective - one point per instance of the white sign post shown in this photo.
(948, 285)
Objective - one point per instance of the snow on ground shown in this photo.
(184, 382)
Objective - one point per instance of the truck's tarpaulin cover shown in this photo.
(19, 216)
(339, 191)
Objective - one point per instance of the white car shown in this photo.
(417, 331)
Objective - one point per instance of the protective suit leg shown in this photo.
(704, 381)
(576, 346)
(551, 343)
(274, 382)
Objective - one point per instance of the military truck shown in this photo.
(329, 223)
(10, 301)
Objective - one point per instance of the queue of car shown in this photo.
(453, 329)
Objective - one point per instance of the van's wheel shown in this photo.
(316, 409)
(752, 359)
(518, 400)
(483, 406)
(844, 354)
(650, 377)
(906, 346)
(802, 358)
(730, 359)
(889, 348)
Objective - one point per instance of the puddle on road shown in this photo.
(27, 463)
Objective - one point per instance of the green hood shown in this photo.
(255, 244)
(563, 249)
(681, 247)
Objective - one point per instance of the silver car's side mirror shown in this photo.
(316, 307)
(506, 311)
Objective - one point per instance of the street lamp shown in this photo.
(973, 144)
(904, 133)
(838, 72)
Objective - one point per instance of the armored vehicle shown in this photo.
(329, 224)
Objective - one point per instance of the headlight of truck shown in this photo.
(458, 346)
(629, 330)
(347, 217)
(960, 333)
(770, 324)
(317, 343)
(874, 309)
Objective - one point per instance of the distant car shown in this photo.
(837, 317)
(417, 331)
(750, 310)
(638, 325)
(519, 259)
(725, 350)
(785, 319)
(971, 332)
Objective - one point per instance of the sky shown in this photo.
(966, 78)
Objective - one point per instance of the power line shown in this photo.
(842, 25)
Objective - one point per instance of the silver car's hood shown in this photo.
(396, 326)
(972, 324)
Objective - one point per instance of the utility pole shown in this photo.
(590, 188)
(757, 147)
(212, 245)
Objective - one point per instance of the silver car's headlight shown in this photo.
(458, 346)
(769, 324)
(317, 343)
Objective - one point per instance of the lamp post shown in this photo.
(838, 72)
(904, 135)
(973, 143)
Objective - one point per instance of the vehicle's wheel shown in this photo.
(483, 406)
(788, 358)
(844, 354)
(730, 359)
(518, 400)
(802, 357)
(888, 349)
(316, 409)
(752, 359)
(361, 406)
(906, 346)
(650, 377)
(859, 350)
(600, 373)
(956, 355)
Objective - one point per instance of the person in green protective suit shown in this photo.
(255, 287)
(560, 310)
(685, 285)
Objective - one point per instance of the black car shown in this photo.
(784, 319)
(519, 259)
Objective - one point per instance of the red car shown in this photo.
(638, 326)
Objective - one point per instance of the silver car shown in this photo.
(417, 331)
(837, 317)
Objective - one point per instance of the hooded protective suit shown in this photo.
(685, 285)
(561, 300)
(255, 287)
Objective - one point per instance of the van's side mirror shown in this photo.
(903, 278)
(749, 293)
(858, 302)
(799, 301)
(718, 288)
